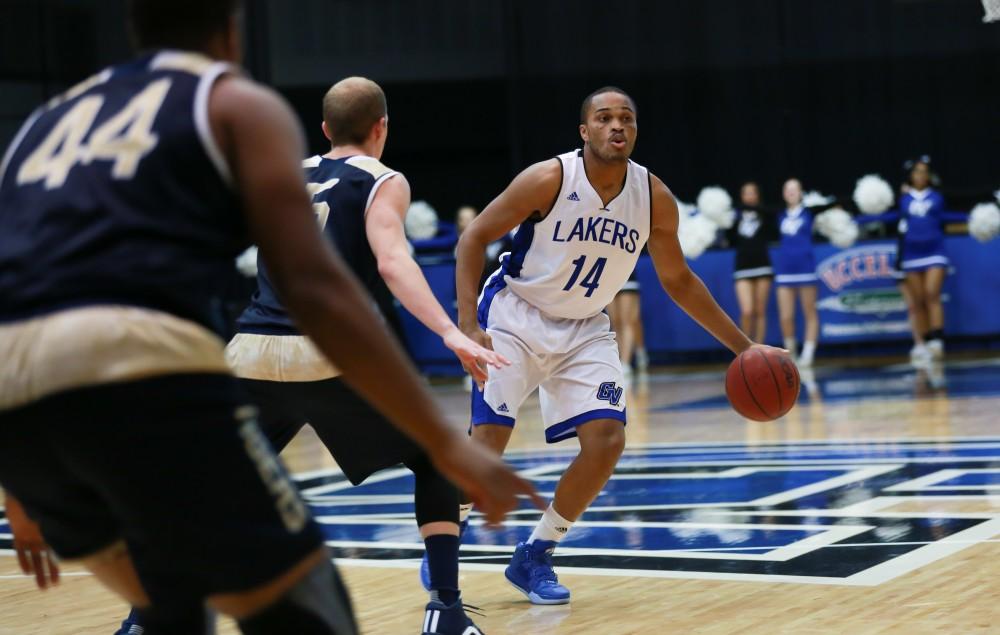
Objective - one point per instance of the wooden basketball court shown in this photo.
(873, 507)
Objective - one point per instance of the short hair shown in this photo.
(184, 24)
(351, 107)
(589, 100)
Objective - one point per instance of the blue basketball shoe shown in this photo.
(425, 571)
(530, 571)
(442, 619)
(131, 625)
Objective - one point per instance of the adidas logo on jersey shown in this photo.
(573, 197)
(503, 408)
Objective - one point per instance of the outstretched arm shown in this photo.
(387, 237)
(683, 286)
(887, 217)
(263, 145)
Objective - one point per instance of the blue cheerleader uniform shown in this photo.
(921, 214)
(794, 261)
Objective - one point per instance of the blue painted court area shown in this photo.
(957, 379)
(779, 510)
(971, 479)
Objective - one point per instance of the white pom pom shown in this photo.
(421, 221)
(246, 262)
(715, 204)
(873, 194)
(984, 222)
(695, 234)
(837, 225)
(816, 199)
(685, 209)
(996, 195)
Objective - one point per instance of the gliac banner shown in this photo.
(858, 294)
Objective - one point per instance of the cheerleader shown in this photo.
(753, 274)
(921, 256)
(626, 322)
(795, 272)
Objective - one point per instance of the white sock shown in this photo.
(790, 344)
(808, 349)
(552, 526)
(463, 512)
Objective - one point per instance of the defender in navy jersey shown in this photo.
(582, 220)
(122, 431)
(360, 204)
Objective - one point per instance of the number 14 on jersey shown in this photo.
(590, 281)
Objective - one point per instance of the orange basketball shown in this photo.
(762, 384)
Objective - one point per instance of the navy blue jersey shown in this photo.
(342, 191)
(116, 193)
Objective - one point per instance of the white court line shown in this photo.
(828, 535)
(614, 524)
(735, 472)
(845, 513)
(930, 482)
(923, 556)
(626, 573)
(826, 484)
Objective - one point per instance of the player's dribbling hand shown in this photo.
(33, 554)
(491, 484)
(476, 356)
(757, 346)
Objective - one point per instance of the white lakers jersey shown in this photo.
(572, 263)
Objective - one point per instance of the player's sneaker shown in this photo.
(131, 625)
(641, 360)
(530, 571)
(920, 355)
(442, 619)
(425, 571)
(936, 348)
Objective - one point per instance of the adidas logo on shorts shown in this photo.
(503, 408)
(573, 197)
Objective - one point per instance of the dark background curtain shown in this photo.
(726, 90)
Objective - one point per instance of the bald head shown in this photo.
(350, 108)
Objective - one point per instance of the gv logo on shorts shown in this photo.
(610, 392)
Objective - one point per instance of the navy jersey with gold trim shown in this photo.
(116, 193)
(342, 190)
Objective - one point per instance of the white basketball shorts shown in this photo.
(573, 363)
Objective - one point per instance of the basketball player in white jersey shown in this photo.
(581, 221)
